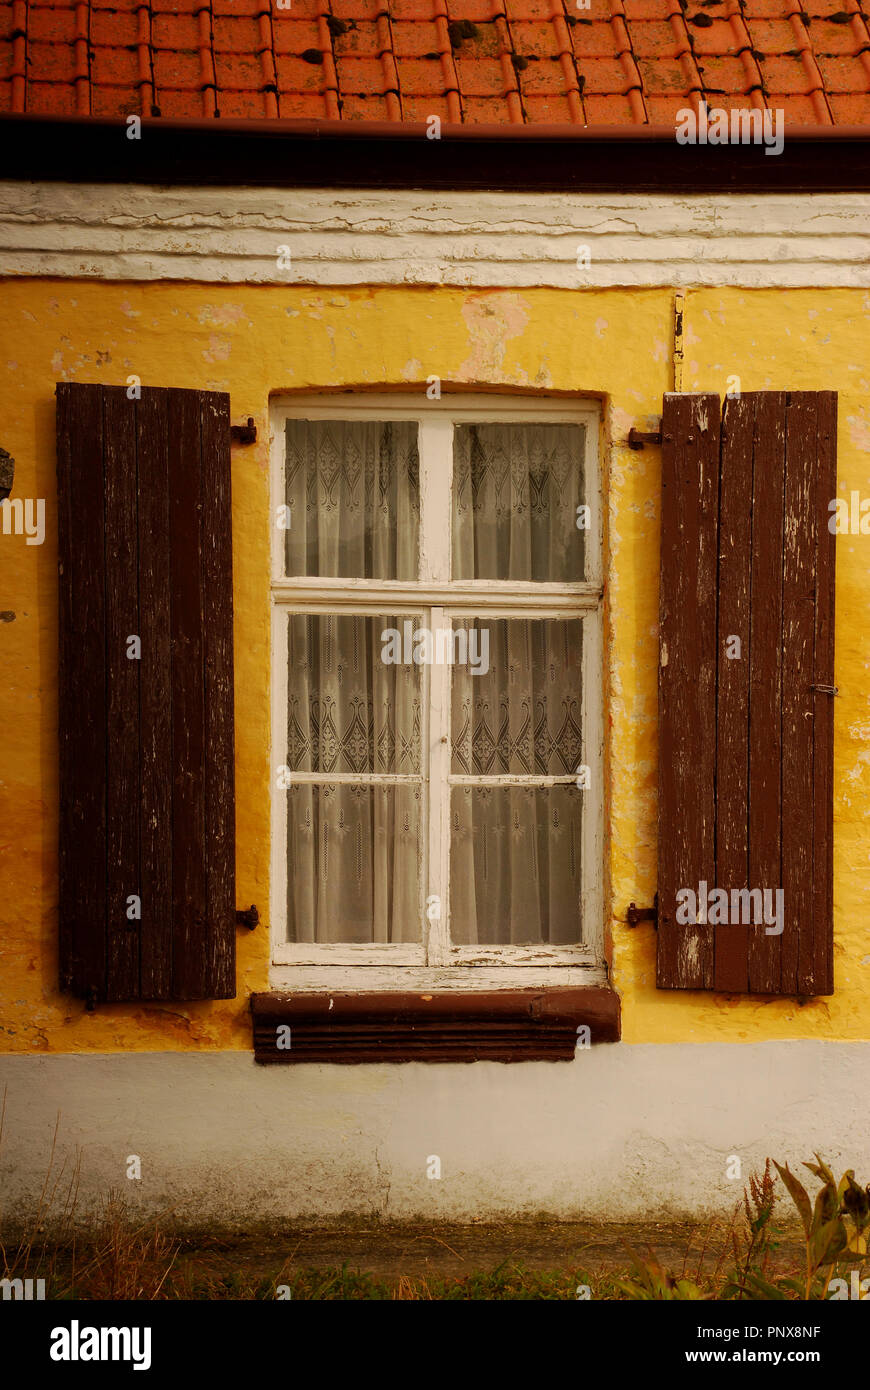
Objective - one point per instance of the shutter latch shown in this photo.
(248, 918)
(637, 439)
(635, 915)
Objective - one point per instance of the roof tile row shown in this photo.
(606, 62)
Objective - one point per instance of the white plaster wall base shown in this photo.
(621, 1132)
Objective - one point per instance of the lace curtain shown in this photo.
(515, 851)
(355, 851)
(516, 490)
(353, 494)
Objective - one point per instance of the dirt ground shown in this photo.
(456, 1250)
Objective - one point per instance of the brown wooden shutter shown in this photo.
(146, 746)
(746, 743)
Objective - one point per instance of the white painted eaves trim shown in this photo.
(338, 238)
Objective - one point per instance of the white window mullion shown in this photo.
(595, 501)
(436, 481)
(353, 779)
(438, 888)
(510, 779)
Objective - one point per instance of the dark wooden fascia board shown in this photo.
(521, 1025)
(336, 154)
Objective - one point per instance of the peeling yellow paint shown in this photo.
(859, 430)
(221, 315)
(492, 320)
(218, 349)
(275, 339)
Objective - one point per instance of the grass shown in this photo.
(145, 1272)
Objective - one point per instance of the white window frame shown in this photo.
(438, 599)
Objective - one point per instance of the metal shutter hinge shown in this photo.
(244, 434)
(248, 918)
(7, 474)
(637, 439)
(635, 915)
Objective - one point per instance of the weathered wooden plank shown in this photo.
(765, 689)
(188, 712)
(155, 810)
(219, 947)
(817, 976)
(731, 965)
(687, 674)
(798, 635)
(122, 689)
(82, 688)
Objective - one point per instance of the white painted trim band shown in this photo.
(233, 236)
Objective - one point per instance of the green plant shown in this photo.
(753, 1246)
(835, 1225)
(653, 1282)
(749, 1243)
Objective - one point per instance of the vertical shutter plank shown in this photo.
(687, 673)
(188, 712)
(765, 697)
(155, 812)
(122, 684)
(82, 688)
(732, 727)
(217, 570)
(820, 978)
(798, 635)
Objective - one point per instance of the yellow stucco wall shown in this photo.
(254, 342)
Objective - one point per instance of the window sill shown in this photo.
(522, 1025)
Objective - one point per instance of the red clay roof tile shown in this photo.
(59, 26)
(797, 110)
(51, 99)
(615, 62)
(55, 62)
(178, 70)
(851, 110)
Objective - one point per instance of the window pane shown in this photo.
(349, 709)
(516, 490)
(353, 499)
(353, 856)
(515, 865)
(517, 700)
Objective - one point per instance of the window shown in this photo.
(437, 739)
